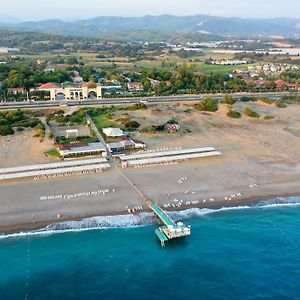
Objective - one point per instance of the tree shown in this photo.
(147, 85)
(208, 104)
(72, 60)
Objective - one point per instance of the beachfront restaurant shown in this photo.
(81, 149)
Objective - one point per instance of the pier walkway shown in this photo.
(162, 215)
(171, 230)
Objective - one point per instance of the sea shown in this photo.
(250, 252)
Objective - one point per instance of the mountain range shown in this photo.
(210, 25)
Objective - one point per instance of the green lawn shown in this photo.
(53, 152)
(82, 139)
(220, 69)
(103, 121)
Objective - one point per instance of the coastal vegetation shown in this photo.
(234, 114)
(248, 98)
(280, 104)
(132, 125)
(40, 131)
(59, 117)
(18, 119)
(250, 113)
(103, 116)
(208, 104)
(268, 117)
(267, 100)
(228, 99)
(53, 152)
(291, 99)
(6, 130)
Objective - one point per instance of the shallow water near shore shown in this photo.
(236, 253)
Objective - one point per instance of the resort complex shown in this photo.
(149, 143)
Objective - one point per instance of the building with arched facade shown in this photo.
(83, 92)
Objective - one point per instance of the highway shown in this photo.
(133, 100)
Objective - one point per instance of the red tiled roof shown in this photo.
(48, 85)
(78, 145)
(293, 85)
(63, 147)
(280, 82)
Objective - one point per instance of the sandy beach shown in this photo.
(75, 198)
(260, 160)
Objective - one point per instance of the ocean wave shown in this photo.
(93, 223)
(279, 201)
(144, 219)
(105, 222)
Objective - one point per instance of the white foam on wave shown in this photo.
(199, 212)
(94, 223)
(142, 219)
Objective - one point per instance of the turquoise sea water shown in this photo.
(250, 253)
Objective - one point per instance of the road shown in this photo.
(120, 101)
(98, 134)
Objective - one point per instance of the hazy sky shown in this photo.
(79, 9)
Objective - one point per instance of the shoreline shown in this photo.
(28, 227)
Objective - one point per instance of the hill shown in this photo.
(101, 26)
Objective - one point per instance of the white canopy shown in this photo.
(113, 132)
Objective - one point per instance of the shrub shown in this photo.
(53, 152)
(6, 130)
(247, 99)
(149, 129)
(132, 124)
(234, 114)
(157, 110)
(136, 106)
(172, 121)
(266, 100)
(268, 118)
(208, 104)
(280, 104)
(250, 113)
(228, 100)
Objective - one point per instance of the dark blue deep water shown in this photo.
(251, 253)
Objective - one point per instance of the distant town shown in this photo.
(106, 69)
